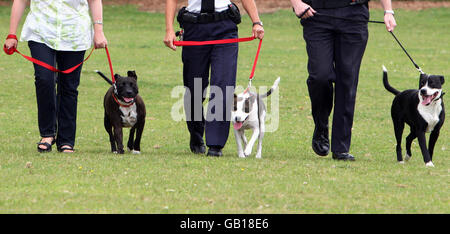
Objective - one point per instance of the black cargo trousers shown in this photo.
(335, 49)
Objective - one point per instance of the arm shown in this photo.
(389, 19)
(96, 8)
(170, 37)
(300, 7)
(250, 7)
(17, 10)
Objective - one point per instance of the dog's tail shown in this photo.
(104, 77)
(274, 86)
(386, 83)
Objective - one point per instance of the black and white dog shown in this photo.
(249, 112)
(124, 108)
(423, 110)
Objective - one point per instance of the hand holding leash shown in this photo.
(10, 44)
(389, 21)
(258, 31)
(169, 39)
(100, 40)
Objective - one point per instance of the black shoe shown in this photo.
(320, 142)
(343, 156)
(198, 149)
(216, 152)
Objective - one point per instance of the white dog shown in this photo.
(249, 112)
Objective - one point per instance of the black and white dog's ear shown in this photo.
(116, 76)
(442, 79)
(132, 74)
(423, 76)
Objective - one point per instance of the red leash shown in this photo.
(214, 42)
(110, 66)
(11, 51)
(49, 67)
(224, 41)
(256, 60)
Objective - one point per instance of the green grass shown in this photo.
(169, 179)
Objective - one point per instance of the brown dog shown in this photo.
(124, 108)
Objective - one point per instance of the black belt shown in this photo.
(203, 18)
(329, 4)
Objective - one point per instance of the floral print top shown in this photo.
(63, 25)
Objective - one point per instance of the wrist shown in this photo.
(98, 30)
(389, 12)
(260, 23)
(11, 36)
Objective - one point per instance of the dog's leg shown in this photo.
(137, 142)
(108, 129)
(131, 138)
(423, 147)
(399, 125)
(262, 129)
(432, 142)
(118, 135)
(409, 140)
(249, 146)
(244, 139)
(238, 136)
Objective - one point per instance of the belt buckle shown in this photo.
(207, 17)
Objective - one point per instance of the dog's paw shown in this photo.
(135, 152)
(241, 154)
(247, 152)
(429, 164)
(114, 152)
(258, 155)
(401, 162)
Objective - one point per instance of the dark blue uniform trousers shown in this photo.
(57, 106)
(197, 61)
(335, 49)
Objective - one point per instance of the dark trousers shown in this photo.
(57, 107)
(335, 49)
(197, 61)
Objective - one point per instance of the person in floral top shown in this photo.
(58, 33)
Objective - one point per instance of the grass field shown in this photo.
(167, 178)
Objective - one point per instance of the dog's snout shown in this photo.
(423, 91)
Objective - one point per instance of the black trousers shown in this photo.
(197, 63)
(335, 49)
(57, 107)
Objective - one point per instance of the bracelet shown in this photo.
(389, 12)
(98, 22)
(258, 23)
(11, 36)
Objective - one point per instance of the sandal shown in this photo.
(66, 147)
(46, 144)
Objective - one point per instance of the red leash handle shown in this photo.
(10, 51)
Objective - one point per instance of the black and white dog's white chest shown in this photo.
(430, 114)
(128, 115)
